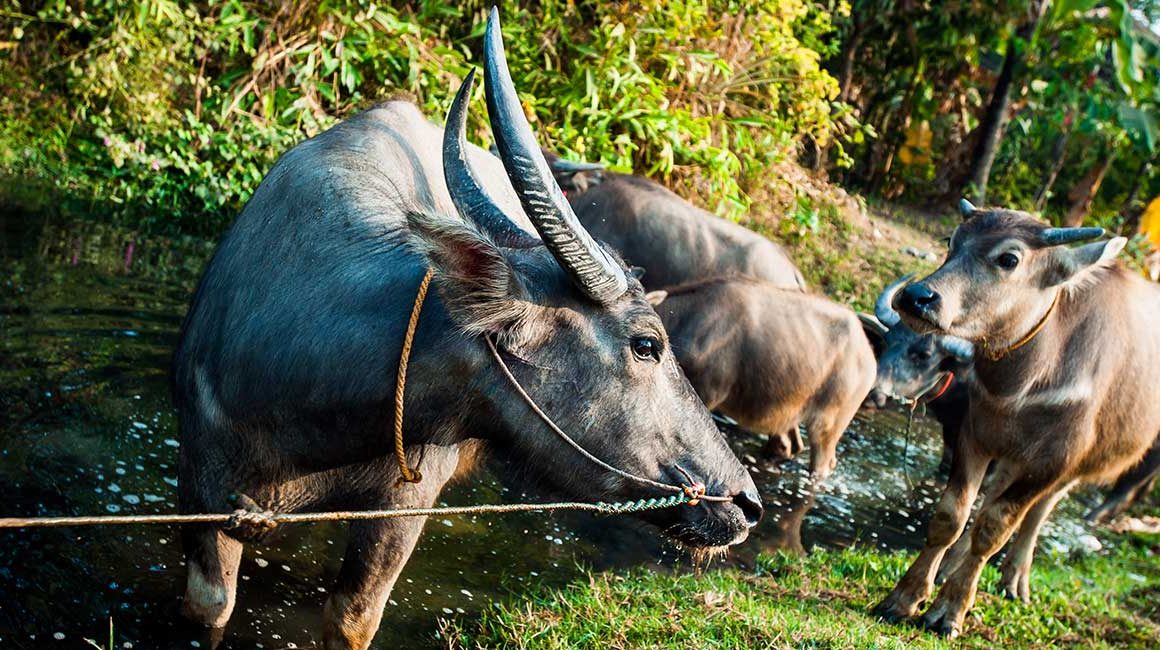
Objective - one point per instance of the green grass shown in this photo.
(823, 601)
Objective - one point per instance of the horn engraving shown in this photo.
(592, 269)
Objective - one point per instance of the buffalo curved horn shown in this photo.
(562, 166)
(467, 194)
(966, 208)
(872, 324)
(1057, 236)
(961, 349)
(884, 308)
(593, 270)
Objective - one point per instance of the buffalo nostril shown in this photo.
(917, 298)
(750, 503)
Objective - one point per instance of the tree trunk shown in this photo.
(995, 119)
(1059, 155)
(1085, 192)
(849, 54)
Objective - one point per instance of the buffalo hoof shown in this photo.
(941, 620)
(1015, 583)
(893, 610)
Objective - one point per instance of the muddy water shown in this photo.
(88, 320)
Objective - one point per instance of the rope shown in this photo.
(409, 474)
(995, 356)
(691, 494)
(694, 492)
(245, 517)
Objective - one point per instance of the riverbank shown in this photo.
(1110, 599)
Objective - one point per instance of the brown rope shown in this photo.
(995, 356)
(409, 474)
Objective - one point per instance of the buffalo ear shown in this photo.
(1072, 262)
(479, 286)
(655, 298)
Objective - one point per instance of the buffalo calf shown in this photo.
(1067, 357)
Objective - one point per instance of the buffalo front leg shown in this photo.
(376, 553)
(999, 477)
(212, 560)
(951, 513)
(992, 528)
(1015, 580)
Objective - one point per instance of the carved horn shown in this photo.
(884, 309)
(961, 349)
(467, 194)
(1057, 236)
(593, 270)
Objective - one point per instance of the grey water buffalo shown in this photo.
(284, 375)
(771, 358)
(673, 240)
(933, 369)
(1066, 364)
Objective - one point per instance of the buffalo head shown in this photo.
(574, 327)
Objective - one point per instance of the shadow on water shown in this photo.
(88, 320)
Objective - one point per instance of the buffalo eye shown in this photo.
(1007, 261)
(646, 348)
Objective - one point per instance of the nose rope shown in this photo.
(695, 491)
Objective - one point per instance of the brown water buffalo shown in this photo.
(284, 375)
(673, 240)
(771, 358)
(1067, 360)
(936, 370)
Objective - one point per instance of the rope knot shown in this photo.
(253, 522)
(694, 492)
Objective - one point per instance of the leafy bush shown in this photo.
(167, 114)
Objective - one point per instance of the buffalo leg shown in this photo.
(212, 556)
(992, 528)
(954, 507)
(1015, 582)
(1136, 483)
(993, 485)
(825, 432)
(376, 553)
(212, 560)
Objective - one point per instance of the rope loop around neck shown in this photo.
(996, 355)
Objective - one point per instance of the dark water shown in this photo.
(88, 321)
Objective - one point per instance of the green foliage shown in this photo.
(168, 114)
(921, 80)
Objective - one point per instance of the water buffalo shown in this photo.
(284, 376)
(929, 368)
(937, 369)
(771, 358)
(1067, 355)
(673, 240)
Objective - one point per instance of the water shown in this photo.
(88, 321)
